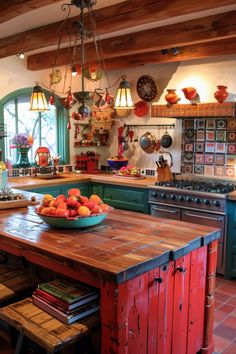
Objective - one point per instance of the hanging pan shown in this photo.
(166, 140)
(149, 143)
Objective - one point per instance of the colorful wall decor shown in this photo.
(209, 147)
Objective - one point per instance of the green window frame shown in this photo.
(62, 134)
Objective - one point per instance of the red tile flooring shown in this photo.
(225, 316)
(224, 324)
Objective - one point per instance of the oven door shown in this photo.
(214, 220)
(164, 211)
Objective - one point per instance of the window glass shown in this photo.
(41, 125)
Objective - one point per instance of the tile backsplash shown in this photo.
(209, 147)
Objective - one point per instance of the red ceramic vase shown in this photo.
(221, 94)
(171, 97)
(189, 92)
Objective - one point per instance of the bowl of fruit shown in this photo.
(73, 210)
(130, 172)
(117, 162)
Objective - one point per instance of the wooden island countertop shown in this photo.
(141, 264)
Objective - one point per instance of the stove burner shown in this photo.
(210, 187)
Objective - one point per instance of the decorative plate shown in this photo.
(72, 223)
(141, 108)
(146, 88)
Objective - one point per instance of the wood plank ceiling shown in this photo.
(200, 29)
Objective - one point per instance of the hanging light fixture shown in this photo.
(38, 102)
(123, 96)
(82, 31)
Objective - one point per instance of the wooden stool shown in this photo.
(42, 328)
(14, 282)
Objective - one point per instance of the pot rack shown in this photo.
(170, 126)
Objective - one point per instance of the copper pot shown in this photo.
(149, 143)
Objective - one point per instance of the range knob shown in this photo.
(173, 197)
(207, 202)
(155, 194)
(198, 200)
(217, 203)
(163, 196)
(189, 199)
(181, 198)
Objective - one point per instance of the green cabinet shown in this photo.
(230, 267)
(63, 189)
(127, 198)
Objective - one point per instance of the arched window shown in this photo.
(47, 128)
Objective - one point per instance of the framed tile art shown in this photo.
(189, 147)
(210, 135)
(199, 159)
(231, 148)
(210, 123)
(200, 123)
(220, 123)
(220, 159)
(199, 169)
(209, 159)
(231, 124)
(220, 148)
(209, 170)
(231, 136)
(220, 135)
(200, 147)
(219, 170)
(200, 135)
(230, 171)
(231, 160)
(209, 147)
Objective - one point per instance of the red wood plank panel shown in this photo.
(165, 317)
(197, 291)
(180, 311)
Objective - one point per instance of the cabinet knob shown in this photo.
(158, 279)
(181, 269)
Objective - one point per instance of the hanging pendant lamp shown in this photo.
(38, 102)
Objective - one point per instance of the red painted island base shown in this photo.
(166, 310)
(156, 278)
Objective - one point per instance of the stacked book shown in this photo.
(66, 301)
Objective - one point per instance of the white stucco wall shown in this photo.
(204, 75)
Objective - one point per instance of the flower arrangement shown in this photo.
(22, 140)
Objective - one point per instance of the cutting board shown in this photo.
(8, 204)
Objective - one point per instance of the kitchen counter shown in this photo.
(27, 183)
(141, 264)
(232, 195)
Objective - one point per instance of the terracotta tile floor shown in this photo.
(224, 324)
(225, 316)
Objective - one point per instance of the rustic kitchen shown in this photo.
(118, 177)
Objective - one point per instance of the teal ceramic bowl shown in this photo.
(72, 223)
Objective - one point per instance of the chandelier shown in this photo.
(77, 34)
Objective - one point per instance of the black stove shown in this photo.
(201, 186)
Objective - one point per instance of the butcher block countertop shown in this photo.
(124, 245)
(28, 183)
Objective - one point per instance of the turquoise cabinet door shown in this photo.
(126, 198)
(230, 266)
(97, 188)
(54, 191)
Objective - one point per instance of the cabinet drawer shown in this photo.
(165, 212)
(126, 198)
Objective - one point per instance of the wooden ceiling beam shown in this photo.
(116, 17)
(14, 8)
(195, 51)
(203, 30)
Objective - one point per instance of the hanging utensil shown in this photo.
(166, 140)
(136, 137)
(148, 142)
(131, 134)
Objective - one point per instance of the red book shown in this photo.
(80, 313)
(63, 305)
